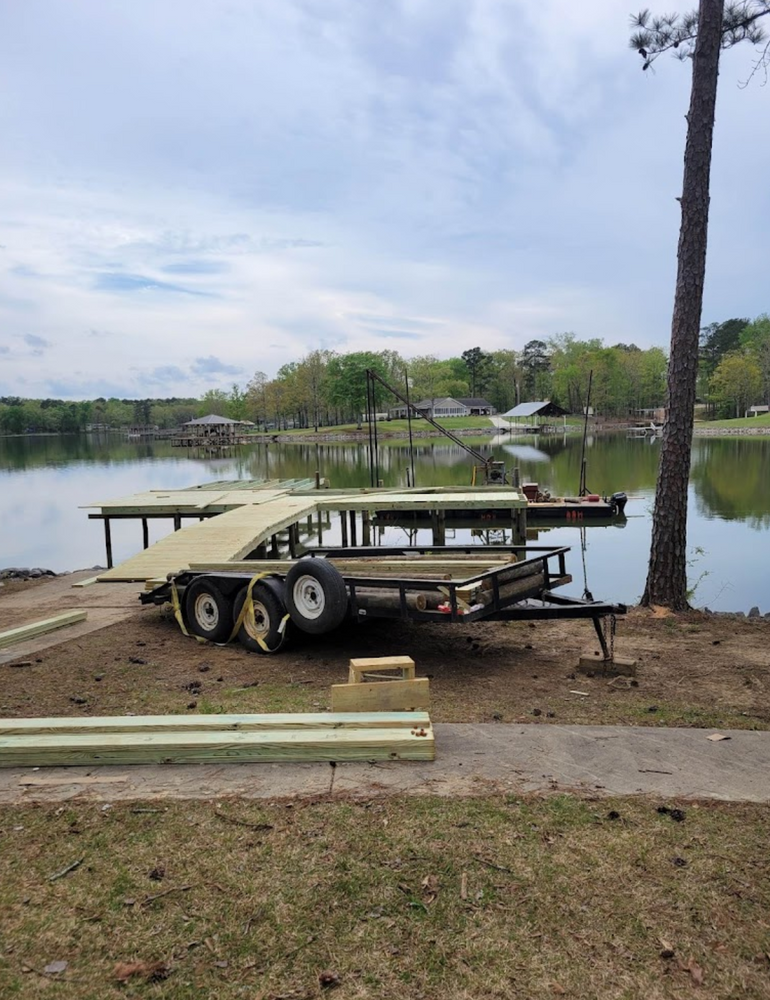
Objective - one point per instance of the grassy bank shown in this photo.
(737, 422)
(490, 897)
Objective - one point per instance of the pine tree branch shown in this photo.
(672, 31)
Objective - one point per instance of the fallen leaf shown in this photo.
(557, 988)
(53, 968)
(153, 972)
(329, 980)
(718, 737)
(696, 972)
(667, 950)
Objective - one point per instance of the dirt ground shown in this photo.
(694, 670)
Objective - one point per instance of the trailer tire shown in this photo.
(316, 596)
(269, 612)
(207, 611)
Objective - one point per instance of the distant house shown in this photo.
(448, 406)
(530, 416)
(478, 407)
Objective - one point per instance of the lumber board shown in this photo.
(35, 629)
(383, 696)
(86, 749)
(230, 722)
(434, 501)
(406, 569)
(86, 583)
(361, 664)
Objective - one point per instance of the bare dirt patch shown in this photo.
(694, 670)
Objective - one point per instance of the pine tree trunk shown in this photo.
(667, 573)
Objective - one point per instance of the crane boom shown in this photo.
(376, 377)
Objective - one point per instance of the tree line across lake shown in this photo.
(326, 388)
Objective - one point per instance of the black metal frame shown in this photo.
(535, 603)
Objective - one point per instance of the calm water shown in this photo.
(44, 481)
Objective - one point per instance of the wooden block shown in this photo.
(373, 664)
(594, 665)
(86, 583)
(35, 629)
(382, 696)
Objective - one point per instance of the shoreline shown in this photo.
(310, 437)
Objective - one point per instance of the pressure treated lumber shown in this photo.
(35, 629)
(230, 722)
(406, 502)
(361, 665)
(84, 749)
(383, 696)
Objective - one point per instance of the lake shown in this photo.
(45, 480)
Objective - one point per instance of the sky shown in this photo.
(195, 190)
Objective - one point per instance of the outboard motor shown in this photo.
(618, 501)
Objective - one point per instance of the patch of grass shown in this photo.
(388, 426)
(494, 897)
(763, 420)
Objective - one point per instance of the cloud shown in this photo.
(117, 282)
(4, 349)
(32, 340)
(196, 267)
(163, 375)
(213, 366)
(305, 175)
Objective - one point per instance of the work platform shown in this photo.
(242, 519)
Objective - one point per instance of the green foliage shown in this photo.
(755, 339)
(737, 381)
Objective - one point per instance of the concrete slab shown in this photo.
(607, 760)
(471, 760)
(149, 783)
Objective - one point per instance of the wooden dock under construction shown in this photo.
(250, 519)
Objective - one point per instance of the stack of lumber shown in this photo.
(212, 739)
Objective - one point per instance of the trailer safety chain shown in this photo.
(246, 615)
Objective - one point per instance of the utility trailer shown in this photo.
(328, 586)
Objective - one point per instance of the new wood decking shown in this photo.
(229, 536)
(235, 518)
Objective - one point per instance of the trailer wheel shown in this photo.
(269, 612)
(316, 596)
(207, 611)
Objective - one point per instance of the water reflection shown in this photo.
(44, 480)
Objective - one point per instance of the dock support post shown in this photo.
(366, 528)
(438, 521)
(344, 527)
(320, 528)
(108, 542)
(293, 533)
(519, 522)
(274, 547)
(516, 477)
(177, 522)
(318, 480)
(353, 539)
(145, 534)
